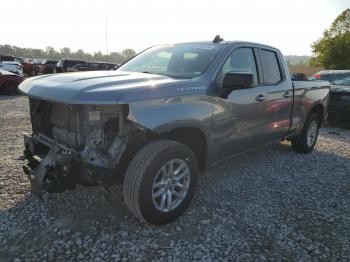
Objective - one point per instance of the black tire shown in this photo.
(300, 143)
(142, 172)
(10, 88)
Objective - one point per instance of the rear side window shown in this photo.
(270, 66)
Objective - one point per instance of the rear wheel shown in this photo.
(10, 88)
(305, 142)
(160, 181)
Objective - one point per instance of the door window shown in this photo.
(242, 60)
(270, 66)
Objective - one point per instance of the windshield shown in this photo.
(179, 61)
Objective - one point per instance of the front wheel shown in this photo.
(305, 142)
(160, 181)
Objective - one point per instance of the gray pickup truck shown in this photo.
(163, 117)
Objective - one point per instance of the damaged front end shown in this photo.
(73, 144)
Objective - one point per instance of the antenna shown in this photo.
(217, 39)
(107, 38)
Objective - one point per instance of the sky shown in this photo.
(290, 25)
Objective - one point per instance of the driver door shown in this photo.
(240, 116)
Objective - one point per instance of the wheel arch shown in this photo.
(318, 109)
(192, 137)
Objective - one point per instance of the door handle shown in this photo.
(287, 94)
(260, 98)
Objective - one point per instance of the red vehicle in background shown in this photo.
(27, 67)
(331, 75)
(32, 67)
(48, 66)
(9, 82)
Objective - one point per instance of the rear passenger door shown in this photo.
(278, 94)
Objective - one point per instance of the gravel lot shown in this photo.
(271, 204)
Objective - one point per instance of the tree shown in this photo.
(65, 52)
(128, 53)
(98, 56)
(51, 53)
(332, 50)
(116, 57)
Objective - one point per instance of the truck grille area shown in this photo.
(66, 116)
(65, 137)
(74, 125)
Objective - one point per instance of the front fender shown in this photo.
(162, 115)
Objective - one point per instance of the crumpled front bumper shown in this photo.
(54, 167)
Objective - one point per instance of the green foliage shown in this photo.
(51, 53)
(128, 53)
(332, 51)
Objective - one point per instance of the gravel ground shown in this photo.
(271, 204)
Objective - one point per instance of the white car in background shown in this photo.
(12, 66)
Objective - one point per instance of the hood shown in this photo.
(100, 87)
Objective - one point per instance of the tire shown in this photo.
(145, 174)
(300, 143)
(10, 88)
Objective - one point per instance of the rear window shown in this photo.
(326, 77)
(51, 62)
(270, 66)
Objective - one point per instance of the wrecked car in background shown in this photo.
(48, 66)
(163, 117)
(64, 65)
(13, 67)
(331, 75)
(9, 82)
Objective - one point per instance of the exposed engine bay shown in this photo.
(74, 144)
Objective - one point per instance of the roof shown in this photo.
(234, 42)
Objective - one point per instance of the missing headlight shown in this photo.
(111, 129)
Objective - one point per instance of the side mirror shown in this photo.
(235, 81)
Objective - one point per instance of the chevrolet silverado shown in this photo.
(163, 117)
